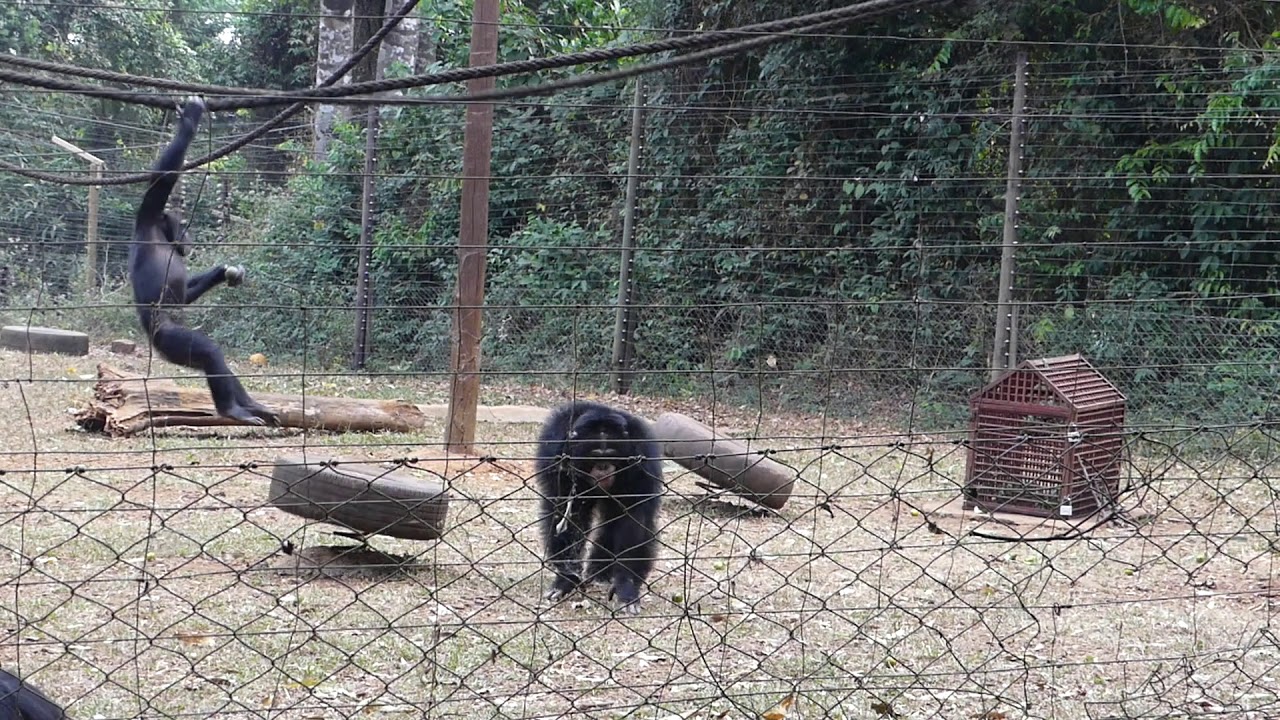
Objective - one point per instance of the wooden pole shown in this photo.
(1001, 356)
(96, 166)
(364, 311)
(624, 324)
(473, 239)
(91, 278)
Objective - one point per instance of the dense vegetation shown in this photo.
(820, 221)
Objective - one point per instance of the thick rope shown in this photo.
(197, 88)
(373, 42)
(874, 9)
(347, 94)
(279, 119)
(842, 16)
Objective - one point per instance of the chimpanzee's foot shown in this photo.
(563, 586)
(193, 109)
(238, 413)
(262, 412)
(628, 595)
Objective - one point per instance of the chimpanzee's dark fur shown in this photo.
(20, 700)
(158, 274)
(601, 463)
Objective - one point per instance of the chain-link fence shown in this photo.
(157, 581)
(816, 270)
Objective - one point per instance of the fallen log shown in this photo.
(32, 339)
(124, 405)
(729, 463)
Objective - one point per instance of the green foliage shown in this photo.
(280, 36)
(816, 205)
(539, 28)
(551, 291)
(302, 263)
(1178, 362)
(1176, 15)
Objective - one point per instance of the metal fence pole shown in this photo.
(364, 310)
(624, 326)
(1001, 354)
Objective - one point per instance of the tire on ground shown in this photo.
(365, 498)
(727, 462)
(33, 339)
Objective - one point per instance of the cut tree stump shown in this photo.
(33, 339)
(726, 462)
(123, 347)
(126, 404)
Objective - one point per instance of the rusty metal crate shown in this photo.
(1045, 439)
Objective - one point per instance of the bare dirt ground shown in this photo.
(141, 578)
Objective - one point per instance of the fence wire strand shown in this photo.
(183, 571)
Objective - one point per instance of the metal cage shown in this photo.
(1045, 439)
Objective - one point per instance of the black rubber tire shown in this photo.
(33, 339)
(365, 498)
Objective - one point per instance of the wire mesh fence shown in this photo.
(816, 275)
(172, 588)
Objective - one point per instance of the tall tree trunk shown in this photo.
(335, 43)
(368, 19)
(401, 45)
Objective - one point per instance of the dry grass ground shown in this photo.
(140, 579)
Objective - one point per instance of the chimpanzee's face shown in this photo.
(599, 448)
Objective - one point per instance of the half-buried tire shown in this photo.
(366, 498)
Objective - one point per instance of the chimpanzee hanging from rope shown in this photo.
(161, 286)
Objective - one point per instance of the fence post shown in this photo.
(1001, 354)
(96, 166)
(625, 322)
(477, 142)
(364, 311)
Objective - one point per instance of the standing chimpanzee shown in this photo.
(594, 460)
(161, 286)
(20, 700)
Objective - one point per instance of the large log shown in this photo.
(32, 339)
(127, 404)
(729, 463)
